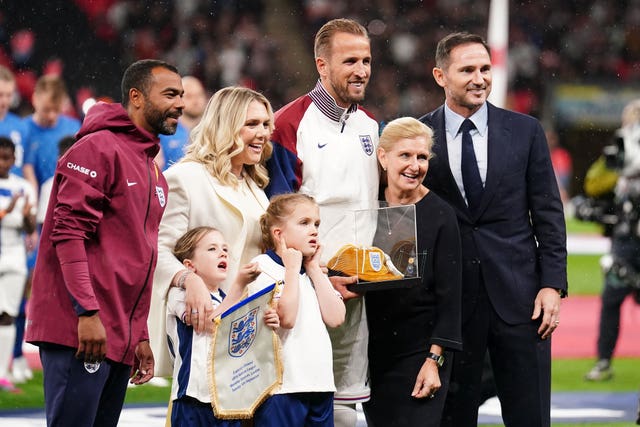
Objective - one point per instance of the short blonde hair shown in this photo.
(404, 127)
(322, 44)
(216, 139)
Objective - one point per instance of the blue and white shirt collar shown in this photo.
(214, 296)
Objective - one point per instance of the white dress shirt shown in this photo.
(480, 134)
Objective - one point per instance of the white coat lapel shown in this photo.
(232, 197)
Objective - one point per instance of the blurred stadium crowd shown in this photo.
(227, 42)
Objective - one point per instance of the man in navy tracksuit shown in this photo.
(92, 280)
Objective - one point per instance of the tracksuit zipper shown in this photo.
(153, 251)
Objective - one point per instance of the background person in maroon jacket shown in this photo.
(92, 280)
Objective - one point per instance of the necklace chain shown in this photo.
(396, 222)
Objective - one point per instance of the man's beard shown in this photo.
(158, 120)
(345, 97)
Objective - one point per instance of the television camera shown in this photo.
(618, 209)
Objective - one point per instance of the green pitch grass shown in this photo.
(584, 275)
(31, 395)
(581, 227)
(567, 376)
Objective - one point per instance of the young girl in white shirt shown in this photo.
(306, 303)
(203, 251)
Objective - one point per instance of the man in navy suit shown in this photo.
(505, 195)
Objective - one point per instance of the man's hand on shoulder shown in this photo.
(198, 303)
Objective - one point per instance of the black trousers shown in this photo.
(391, 404)
(521, 363)
(75, 397)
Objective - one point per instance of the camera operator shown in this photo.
(620, 214)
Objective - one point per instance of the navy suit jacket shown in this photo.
(516, 241)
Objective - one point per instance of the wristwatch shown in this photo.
(438, 358)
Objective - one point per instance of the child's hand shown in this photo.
(248, 273)
(324, 268)
(314, 260)
(271, 319)
(290, 257)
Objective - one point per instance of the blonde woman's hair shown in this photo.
(404, 127)
(216, 139)
(280, 207)
(186, 245)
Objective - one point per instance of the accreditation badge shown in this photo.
(244, 365)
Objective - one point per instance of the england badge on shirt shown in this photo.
(160, 194)
(367, 144)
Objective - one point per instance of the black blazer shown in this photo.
(517, 238)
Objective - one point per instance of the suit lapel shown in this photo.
(449, 188)
(497, 145)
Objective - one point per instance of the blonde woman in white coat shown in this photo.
(219, 184)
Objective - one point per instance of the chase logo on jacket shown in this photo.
(367, 145)
(82, 169)
(160, 193)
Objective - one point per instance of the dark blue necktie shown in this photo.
(470, 173)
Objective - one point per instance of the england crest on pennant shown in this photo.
(242, 333)
(367, 144)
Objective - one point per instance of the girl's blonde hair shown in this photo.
(404, 127)
(216, 139)
(186, 245)
(280, 207)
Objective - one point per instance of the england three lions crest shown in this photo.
(160, 194)
(375, 261)
(367, 144)
(242, 333)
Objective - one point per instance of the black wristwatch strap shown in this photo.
(438, 358)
